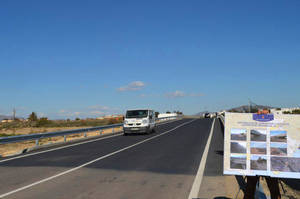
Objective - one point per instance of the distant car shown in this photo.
(206, 115)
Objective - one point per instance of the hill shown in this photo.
(2, 117)
(245, 108)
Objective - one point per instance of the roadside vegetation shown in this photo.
(297, 111)
(38, 125)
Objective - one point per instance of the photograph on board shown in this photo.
(238, 161)
(279, 149)
(297, 152)
(258, 148)
(238, 147)
(258, 135)
(258, 162)
(294, 164)
(239, 134)
(278, 136)
(280, 164)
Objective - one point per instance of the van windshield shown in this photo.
(137, 114)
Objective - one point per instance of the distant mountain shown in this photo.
(2, 117)
(245, 108)
(240, 109)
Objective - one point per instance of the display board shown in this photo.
(262, 144)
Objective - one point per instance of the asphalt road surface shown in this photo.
(160, 165)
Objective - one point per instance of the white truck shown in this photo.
(139, 121)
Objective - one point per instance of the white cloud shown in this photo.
(133, 86)
(178, 94)
(99, 107)
(91, 111)
(196, 94)
(97, 113)
(175, 94)
(77, 113)
(68, 113)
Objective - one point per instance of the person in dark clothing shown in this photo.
(273, 186)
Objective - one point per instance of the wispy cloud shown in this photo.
(133, 86)
(91, 111)
(97, 113)
(176, 94)
(196, 94)
(99, 107)
(179, 94)
(69, 113)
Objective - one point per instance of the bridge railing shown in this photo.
(38, 136)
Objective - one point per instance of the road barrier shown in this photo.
(38, 136)
(222, 118)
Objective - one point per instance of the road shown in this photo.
(160, 165)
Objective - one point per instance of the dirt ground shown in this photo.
(25, 131)
(13, 148)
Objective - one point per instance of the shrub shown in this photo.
(33, 117)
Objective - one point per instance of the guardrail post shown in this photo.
(37, 142)
(113, 130)
(85, 135)
(65, 138)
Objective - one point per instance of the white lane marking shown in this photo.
(54, 149)
(71, 145)
(90, 162)
(198, 179)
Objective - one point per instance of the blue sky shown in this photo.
(86, 58)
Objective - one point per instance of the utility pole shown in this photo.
(14, 114)
(249, 105)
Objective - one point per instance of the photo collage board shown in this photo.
(267, 145)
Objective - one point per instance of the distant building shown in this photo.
(282, 110)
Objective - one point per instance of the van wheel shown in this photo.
(125, 134)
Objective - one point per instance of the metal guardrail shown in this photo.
(38, 136)
(222, 119)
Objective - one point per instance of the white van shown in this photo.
(139, 121)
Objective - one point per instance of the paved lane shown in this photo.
(163, 167)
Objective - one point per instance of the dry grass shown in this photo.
(12, 148)
(25, 131)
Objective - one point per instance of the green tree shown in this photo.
(33, 117)
(43, 121)
(297, 111)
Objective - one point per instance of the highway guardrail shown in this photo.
(38, 136)
(222, 119)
